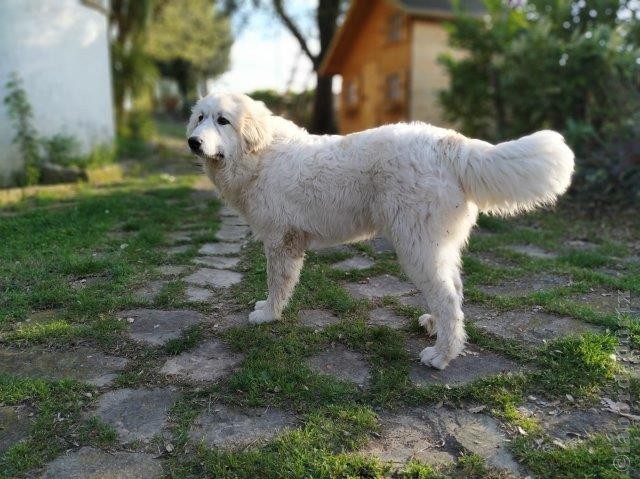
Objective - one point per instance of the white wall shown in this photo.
(60, 48)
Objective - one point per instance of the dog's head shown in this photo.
(227, 126)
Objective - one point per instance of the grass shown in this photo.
(70, 262)
(57, 425)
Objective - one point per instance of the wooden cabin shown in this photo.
(387, 54)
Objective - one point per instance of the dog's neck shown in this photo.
(235, 179)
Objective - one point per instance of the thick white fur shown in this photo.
(419, 185)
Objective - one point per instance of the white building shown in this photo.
(60, 48)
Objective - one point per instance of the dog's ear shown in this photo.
(255, 127)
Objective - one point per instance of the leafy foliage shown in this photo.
(190, 41)
(560, 64)
(62, 149)
(134, 73)
(327, 14)
(59, 149)
(186, 40)
(21, 114)
(295, 106)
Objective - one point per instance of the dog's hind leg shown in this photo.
(284, 262)
(431, 259)
(429, 321)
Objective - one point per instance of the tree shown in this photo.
(190, 42)
(561, 64)
(133, 70)
(327, 14)
(183, 39)
(326, 17)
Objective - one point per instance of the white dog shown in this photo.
(419, 185)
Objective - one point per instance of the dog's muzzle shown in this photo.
(195, 144)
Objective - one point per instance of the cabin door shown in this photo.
(371, 93)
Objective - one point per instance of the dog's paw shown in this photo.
(428, 322)
(261, 316)
(260, 304)
(432, 357)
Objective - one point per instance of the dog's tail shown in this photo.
(516, 175)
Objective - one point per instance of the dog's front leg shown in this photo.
(284, 263)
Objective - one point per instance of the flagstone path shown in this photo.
(433, 434)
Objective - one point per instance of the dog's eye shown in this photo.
(200, 117)
(222, 120)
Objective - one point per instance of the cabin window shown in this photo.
(351, 94)
(394, 88)
(394, 28)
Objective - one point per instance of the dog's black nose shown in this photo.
(194, 143)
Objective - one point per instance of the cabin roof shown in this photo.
(358, 13)
(439, 8)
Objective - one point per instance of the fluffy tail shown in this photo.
(516, 175)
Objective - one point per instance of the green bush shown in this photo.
(296, 107)
(62, 150)
(101, 155)
(135, 130)
(559, 64)
(26, 137)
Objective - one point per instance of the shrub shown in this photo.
(570, 66)
(21, 114)
(62, 150)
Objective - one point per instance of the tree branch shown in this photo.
(291, 26)
(96, 5)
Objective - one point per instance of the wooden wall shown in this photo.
(371, 59)
(428, 77)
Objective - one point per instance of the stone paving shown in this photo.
(150, 291)
(136, 414)
(379, 287)
(226, 427)
(474, 363)
(525, 285)
(214, 278)
(533, 251)
(416, 300)
(180, 237)
(155, 326)
(434, 434)
(220, 248)
(14, 425)
(172, 270)
(342, 363)
(387, 317)
(381, 245)
(317, 318)
(529, 326)
(82, 364)
(218, 262)
(198, 295)
(208, 362)
(174, 250)
(91, 463)
(232, 232)
(602, 301)
(568, 423)
(356, 262)
(231, 320)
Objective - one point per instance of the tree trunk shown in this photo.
(322, 116)
(327, 20)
